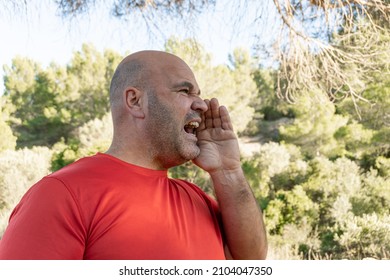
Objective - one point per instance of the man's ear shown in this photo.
(134, 102)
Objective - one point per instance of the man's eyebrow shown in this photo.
(186, 84)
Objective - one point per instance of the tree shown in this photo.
(316, 43)
(47, 104)
(92, 137)
(8, 140)
(148, 8)
(89, 77)
(322, 42)
(314, 126)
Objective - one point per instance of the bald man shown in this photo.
(122, 205)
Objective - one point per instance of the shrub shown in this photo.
(366, 236)
(94, 136)
(290, 207)
(374, 195)
(19, 170)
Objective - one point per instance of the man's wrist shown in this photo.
(233, 177)
(229, 172)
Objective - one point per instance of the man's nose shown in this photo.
(199, 104)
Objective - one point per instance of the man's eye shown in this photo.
(186, 91)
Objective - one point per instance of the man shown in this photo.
(122, 205)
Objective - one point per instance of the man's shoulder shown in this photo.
(82, 178)
(186, 184)
(81, 166)
(96, 167)
(197, 189)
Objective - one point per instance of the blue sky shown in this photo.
(37, 32)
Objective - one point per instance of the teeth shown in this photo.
(194, 124)
(191, 127)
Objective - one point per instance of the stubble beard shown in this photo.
(169, 145)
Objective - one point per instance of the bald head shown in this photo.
(138, 69)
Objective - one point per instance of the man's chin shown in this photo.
(192, 154)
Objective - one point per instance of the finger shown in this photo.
(225, 118)
(202, 124)
(208, 119)
(216, 117)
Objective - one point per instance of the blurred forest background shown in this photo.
(314, 126)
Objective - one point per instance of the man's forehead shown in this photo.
(155, 57)
(165, 63)
(177, 71)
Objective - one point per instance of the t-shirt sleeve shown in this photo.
(46, 224)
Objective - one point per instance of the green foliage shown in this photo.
(366, 236)
(88, 139)
(63, 155)
(382, 164)
(354, 138)
(150, 9)
(48, 104)
(329, 178)
(314, 197)
(331, 185)
(374, 195)
(320, 173)
(271, 159)
(296, 242)
(372, 122)
(35, 114)
(193, 174)
(314, 126)
(267, 106)
(8, 140)
(95, 133)
(90, 73)
(290, 207)
(18, 171)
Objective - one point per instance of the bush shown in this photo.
(328, 179)
(374, 195)
(94, 136)
(296, 242)
(8, 140)
(366, 236)
(272, 159)
(19, 170)
(290, 207)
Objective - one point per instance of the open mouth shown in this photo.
(191, 127)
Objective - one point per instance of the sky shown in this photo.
(38, 32)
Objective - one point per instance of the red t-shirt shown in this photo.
(103, 208)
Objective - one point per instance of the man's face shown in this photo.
(174, 112)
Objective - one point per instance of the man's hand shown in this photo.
(220, 157)
(217, 140)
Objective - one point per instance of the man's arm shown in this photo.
(220, 157)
